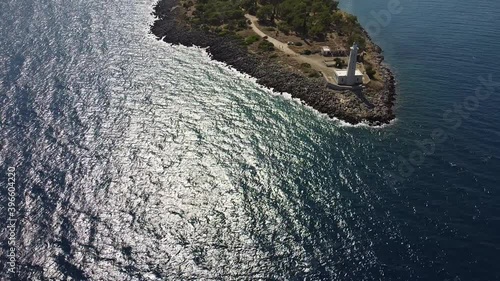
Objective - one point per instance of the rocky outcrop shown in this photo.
(353, 107)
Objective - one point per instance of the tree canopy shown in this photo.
(308, 18)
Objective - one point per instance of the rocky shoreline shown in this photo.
(365, 105)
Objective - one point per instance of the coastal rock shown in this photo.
(350, 106)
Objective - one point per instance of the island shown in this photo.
(307, 48)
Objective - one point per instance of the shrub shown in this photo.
(284, 27)
(252, 11)
(270, 28)
(204, 27)
(238, 37)
(235, 14)
(339, 63)
(306, 52)
(201, 8)
(370, 72)
(266, 46)
(357, 38)
(242, 24)
(298, 44)
(247, 4)
(305, 65)
(213, 19)
(251, 39)
(195, 21)
(314, 74)
(225, 32)
(264, 13)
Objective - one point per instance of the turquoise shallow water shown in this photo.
(137, 160)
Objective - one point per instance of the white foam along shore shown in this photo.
(342, 105)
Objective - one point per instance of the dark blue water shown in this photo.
(137, 160)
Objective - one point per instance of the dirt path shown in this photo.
(316, 63)
(278, 44)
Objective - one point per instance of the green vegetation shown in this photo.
(357, 38)
(283, 27)
(306, 52)
(251, 39)
(339, 63)
(370, 72)
(212, 14)
(307, 69)
(265, 13)
(307, 18)
(348, 25)
(266, 46)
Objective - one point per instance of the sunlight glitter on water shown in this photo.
(146, 161)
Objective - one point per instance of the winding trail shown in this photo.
(278, 44)
(315, 63)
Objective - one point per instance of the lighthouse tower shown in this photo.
(351, 67)
(350, 76)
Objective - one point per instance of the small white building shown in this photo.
(351, 75)
(325, 51)
(340, 76)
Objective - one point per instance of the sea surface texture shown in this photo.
(138, 160)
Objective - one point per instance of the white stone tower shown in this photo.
(351, 67)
